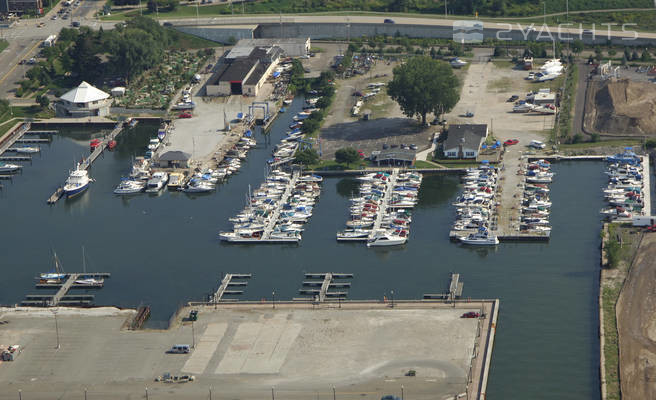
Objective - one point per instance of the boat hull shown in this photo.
(73, 192)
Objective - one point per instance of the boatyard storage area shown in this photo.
(357, 350)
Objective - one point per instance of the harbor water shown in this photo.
(164, 250)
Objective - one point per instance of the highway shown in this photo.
(25, 37)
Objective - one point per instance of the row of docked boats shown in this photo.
(277, 210)
(625, 189)
(476, 207)
(536, 205)
(380, 214)
(288, 146)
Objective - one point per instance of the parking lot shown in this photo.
(243, 351)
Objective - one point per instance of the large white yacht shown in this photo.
(77, 182)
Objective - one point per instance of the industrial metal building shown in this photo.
(291, 47)
(243, 71)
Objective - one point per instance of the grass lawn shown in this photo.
(3, 44)
(500, 85)
(186, 41)
(426, 164)
(620, 144)
(457, 163)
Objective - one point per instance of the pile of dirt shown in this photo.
(623, 107)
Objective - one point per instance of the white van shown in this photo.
(180, 349)
(536, 144)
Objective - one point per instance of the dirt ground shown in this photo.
(636, 325)
(387, 125)
(621, 107)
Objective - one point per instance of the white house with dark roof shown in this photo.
(83, 101)
(464, 141)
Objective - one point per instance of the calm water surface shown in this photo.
(163, 250)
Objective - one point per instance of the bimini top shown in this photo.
(84, 93)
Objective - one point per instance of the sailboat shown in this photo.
(58, 273)
(85, 279)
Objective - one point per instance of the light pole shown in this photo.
(544, 13)
(193, 335)
(567, 10)
(273, 397)
(273, 298)
(56, 328)
(146, 393)
(210, 392)
(197, 17)
(20, 394)
(402, 392)
(445, 9)
(334, 396)
(392, 292)
(85, 393)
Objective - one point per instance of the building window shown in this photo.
(451, 154)
(470, 154)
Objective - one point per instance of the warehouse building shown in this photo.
(291, 47)
(243, 71)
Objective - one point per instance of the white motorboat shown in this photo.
(77, 182)
(130, 186)
(157, 182)
(26, 150)
(480, 238)
(153, 144)
(353, 235)
(386, 238)
(6, 167)
(199, 186)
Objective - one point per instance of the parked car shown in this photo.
(306, 70)
(193, 315)
(388, 21)
(510, 142)
(413, 147)
(75, 24)
(469, 114)
(513, 98)
(167, 24)
(651, 228)
(385, 146)
(185, 115)
(357, 93)
(471, 314)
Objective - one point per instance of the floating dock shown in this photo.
(226, 283)
(92, 157)
(321, 289)
(62, 296)
(454, 290)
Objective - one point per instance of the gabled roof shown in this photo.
(84, 93)
(470, 136)
(174, 155)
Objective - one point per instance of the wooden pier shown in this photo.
(228, 282)
(646, 192)
(33, 140)
(382, 209)
(454, 290)
(14, 136)
(31, 132)
(320, 289)
(266, 235)
(16, 158)
(92, 157)
(62, 297)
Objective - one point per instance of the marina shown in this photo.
(276, 212)
(319, 290)
(379, 215)
(227, 283)
(64, 283)
(431, 218)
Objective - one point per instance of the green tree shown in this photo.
(43, 100)
(307, 156)
(645, 56)
(423, 85)
(310, 126)
(347, 155)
